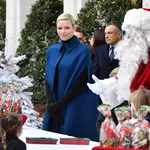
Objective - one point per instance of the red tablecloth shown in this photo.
(108, 148)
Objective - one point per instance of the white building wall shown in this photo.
(146, 4)
(16, 11)
(73, 6)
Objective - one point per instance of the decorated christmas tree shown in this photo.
(13, 95)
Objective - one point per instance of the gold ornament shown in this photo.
(134, 2)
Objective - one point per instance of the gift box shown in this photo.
(10, 100)
(75, 141)
(41, 140)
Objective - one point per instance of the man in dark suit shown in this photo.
(105, 61)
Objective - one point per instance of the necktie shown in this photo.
(112, 53)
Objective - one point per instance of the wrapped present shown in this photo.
(41, 140)
(124, 126)
(108, 133)
(10, 100)
(140, 130)
(149, 138)
(75, 141)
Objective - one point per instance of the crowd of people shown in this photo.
(72, 105)
(78, 78)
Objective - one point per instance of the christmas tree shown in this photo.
(37, 35)
(13, 95)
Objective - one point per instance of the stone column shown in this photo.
(146, 4)
(16, 11)
(73, 6)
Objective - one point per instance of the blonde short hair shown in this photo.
(140, 97)
(66, 16)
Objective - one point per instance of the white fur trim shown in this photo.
(137, 18)
(131, 51)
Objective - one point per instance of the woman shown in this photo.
(71, 105)
(97, 40)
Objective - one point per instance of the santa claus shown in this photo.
(133, 52)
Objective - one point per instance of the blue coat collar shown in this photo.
(69, 45)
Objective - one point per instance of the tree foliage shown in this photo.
(2, 22)
(38, 34)
(98, 13)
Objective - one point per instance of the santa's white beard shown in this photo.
(131, 51)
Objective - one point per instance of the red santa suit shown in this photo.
(134, 56)
(142, 77)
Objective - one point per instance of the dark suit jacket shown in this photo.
(103, 65)
(102, 68)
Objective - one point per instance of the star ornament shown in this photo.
(134, 2)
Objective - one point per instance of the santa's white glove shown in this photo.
(97, 87)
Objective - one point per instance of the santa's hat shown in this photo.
(138, 18)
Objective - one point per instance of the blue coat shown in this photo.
(68, 60)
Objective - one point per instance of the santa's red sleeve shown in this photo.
(142, 77)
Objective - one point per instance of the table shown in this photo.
(31, 132)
